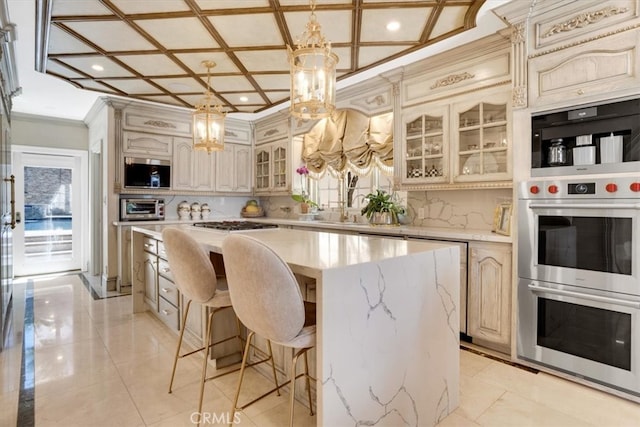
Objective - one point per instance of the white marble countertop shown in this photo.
(362, 228)
(310, 252)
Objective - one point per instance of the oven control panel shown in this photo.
(599, 188)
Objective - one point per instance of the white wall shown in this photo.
(49, 132)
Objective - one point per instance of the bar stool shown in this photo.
(195, 277)
(267, 300)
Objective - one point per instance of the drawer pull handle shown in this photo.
(165, 312)
(166, 270)
(166, 290)
(148, 245)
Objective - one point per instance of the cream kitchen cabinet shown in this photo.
(460, 144)
(489, 301)
(192, 170)
(426, 148)
(137, 144)
(481, 139)
(602, 68)
(150, 269)
(233, 169)
(271, 167)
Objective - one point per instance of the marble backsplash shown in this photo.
(459, 209)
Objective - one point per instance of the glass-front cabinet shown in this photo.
(452, 145)
(425, 156)
(482, 149)
(263, 168)
(271, 167)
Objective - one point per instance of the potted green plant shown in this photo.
(382, 208)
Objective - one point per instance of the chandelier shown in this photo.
(208, 120)
(313, 73)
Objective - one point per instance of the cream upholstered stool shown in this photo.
(196, 280)
(267, 300)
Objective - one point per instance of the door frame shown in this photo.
(82, 216)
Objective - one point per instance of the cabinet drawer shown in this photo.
(150, 245)
(169, 314)
(162, 252)
(168, 290)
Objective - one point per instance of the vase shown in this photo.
(304, 208)
(383, 218)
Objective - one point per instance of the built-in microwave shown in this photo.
(147, 173)
(586, 139)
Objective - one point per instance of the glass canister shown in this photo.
(557, 155)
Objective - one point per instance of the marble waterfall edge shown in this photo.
(391, 352)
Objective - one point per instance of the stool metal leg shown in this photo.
(204, 363)
(245, 356)
(175, 360)
(273, 367)
(306, 374)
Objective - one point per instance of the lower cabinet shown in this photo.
(150, 260)
(489, 302)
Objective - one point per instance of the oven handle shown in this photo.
(584, 206)
(597, 298)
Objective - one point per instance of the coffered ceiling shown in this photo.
(153, 49)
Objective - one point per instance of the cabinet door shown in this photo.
(225, 169)
(151, 280)
(182, 165)
(482, 148)
(263, 166)
(279, 180)
(243, 170)
(425, 145)
(489, 305)
(136, 143)
(203, 171)
(606, 66)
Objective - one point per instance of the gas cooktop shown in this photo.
(234, 225)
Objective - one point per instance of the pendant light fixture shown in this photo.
(313, 73)
(208, 120)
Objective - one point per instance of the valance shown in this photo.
(349, 140)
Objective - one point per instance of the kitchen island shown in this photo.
(387, 348)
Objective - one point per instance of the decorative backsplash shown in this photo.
(459, 209)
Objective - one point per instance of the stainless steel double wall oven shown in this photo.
(579, 285)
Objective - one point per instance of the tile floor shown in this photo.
(96, 364)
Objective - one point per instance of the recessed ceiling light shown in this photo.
(97, 67)
(243, 99)
(393, 26)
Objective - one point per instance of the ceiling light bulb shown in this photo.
(393, 26)
(97, 67)
(243, 99)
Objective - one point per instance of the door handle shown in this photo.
(14, 216)
(595, 298)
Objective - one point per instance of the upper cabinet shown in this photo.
(481, 142)
(233, 169)
(460, 144)
(426, 144)
(592, 70)
(145, 144)
(192, 170)
(576, 52)
(272, 156)
(271, 167)
(455, 119)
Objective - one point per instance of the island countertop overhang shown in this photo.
(311, 252)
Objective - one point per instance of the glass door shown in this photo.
(48, 194)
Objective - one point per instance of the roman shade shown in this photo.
(349, 140)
